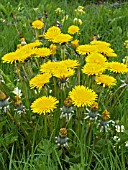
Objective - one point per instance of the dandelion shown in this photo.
(117, 67)
(40, 80)
(106, 80)
(62, 38)
(37, 24)
(73, 29)
(70, 63)
(100, 43)
(75, 44)
(92, 113)
(4, 102)
(96, 58)
(53, 49)
(44, 105)
(105, 115)
(93, 69)
(82, 96)
(62, 139)
(52, 32)
(42, 52)
(85, 49)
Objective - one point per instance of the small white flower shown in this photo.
(17, 92)
(126, 143)
(120, 128)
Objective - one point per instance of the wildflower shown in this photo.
(124, 83)
(96, 58)
(64, 18)
(44, 105)
(105, 115)
(50, 67)
(104, 123)
(70, 63)
(106, 80)
(126, 43)
(120, 128)
(63, 73)
(93, 69)
(23, 42)
(68, 102)
(77, 21)
(40, 80)
(52, 32)
(62, 38)
(58, 11)
(73, 29)
(17, 91)
(75, 44)
(100, 43)
(80, 10)
(85, 49)
(53, 49)
(117, 67)
(42, 52)
(4, 101)
(37, 24)
(62, 139)
(82, 96)
(92, 113)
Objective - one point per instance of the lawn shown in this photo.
(63, 85)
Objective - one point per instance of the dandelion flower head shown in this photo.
(40, 80)
(82, 96)
(117, 67)
(96, 58)
(93, 69)
(44, 105)
(52, 32)
(106, 80)
(37, 24)
(73, 29)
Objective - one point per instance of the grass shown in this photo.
(28, 140)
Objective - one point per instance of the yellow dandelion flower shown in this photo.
(10, 58)
(42, 52)
(126, 43)
(93, 69)
(105, 115)
(96, 58)
(39, 80)
(44, 105)
(105, 50)
(62, 38)
(63, 73)
(82, 96)
(118, 67)
(37, 24)
(106, 80)
(100, 43)
(53, 49)
(75, 44)
(50, 67)
(70, 63)
(73, 29)
(52, 33)
(85, 49)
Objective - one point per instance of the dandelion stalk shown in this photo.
(78, 75)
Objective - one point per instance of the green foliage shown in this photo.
(29, 141)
